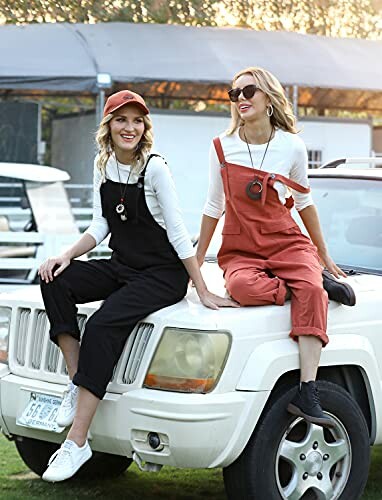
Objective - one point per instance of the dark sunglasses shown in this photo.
(248, 92)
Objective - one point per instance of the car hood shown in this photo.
(262, 320)
(258, 320)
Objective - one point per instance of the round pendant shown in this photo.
(254, 195)
(120, 208)
(121, 211)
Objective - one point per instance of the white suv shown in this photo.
(202, 388)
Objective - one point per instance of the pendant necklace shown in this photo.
(121, 207)
(256, 183)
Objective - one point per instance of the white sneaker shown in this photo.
(67, 410)
(66, 461)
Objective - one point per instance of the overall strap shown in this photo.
(143, 172)
(272, 178)
(219, 151)
(140, 184)
(292, 184)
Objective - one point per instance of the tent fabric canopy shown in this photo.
(67, 57)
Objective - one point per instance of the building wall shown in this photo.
(337, 138)
(377, 141)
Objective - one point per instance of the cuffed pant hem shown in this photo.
(60, 329)
(309, 330)
(84, 381)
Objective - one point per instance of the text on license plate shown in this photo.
(41, 412)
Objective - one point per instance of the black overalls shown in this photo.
(143, 275)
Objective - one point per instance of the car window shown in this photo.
(350, 212)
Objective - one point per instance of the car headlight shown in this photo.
(5, 322)
(188, 360)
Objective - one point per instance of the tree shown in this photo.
(344, 18)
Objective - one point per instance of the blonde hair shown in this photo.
(103, 139)
(282, 116)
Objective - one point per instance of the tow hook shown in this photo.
(148, 466)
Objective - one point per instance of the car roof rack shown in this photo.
(372, 161)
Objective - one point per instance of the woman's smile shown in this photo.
(243, 107)
(128, 137)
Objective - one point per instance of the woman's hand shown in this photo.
(46, 269)
(331, 266)
(213, 301)
(207, 298)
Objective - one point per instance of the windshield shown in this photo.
(350, 213)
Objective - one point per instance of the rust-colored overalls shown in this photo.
(263, 250)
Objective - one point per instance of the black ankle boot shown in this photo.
(306, 404)
(338, 290)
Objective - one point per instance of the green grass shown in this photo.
(17, 482)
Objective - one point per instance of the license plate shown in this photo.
(41, 412)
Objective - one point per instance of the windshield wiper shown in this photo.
(350, 272)
(353, 271)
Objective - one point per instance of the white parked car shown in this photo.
(43, 225)
(202, 388)
(46, 202)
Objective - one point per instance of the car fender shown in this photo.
(4, 371)
(270, 360)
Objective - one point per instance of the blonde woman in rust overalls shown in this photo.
(265, 257)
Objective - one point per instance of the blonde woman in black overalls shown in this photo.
(151, 263)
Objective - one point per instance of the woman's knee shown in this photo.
(57, 283)
(237, 286)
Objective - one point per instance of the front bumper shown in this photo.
(196, 430)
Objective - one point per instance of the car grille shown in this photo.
(41, 359)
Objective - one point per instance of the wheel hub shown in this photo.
(313, 463)
(308, 455)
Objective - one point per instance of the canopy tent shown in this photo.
(181, 61)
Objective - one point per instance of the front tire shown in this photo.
(290, 459)
(36, 454)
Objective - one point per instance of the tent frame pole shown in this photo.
(295, 100)
(100, 105)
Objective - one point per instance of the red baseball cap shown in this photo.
(122, 98)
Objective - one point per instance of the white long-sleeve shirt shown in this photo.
(286, 155)
(161, 199)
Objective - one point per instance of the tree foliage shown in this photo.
(345, 18)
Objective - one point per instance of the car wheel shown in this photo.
(290, 459)
(36, 454)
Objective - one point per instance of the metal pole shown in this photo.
(100, 105)
(39, 158)
(295, 100)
